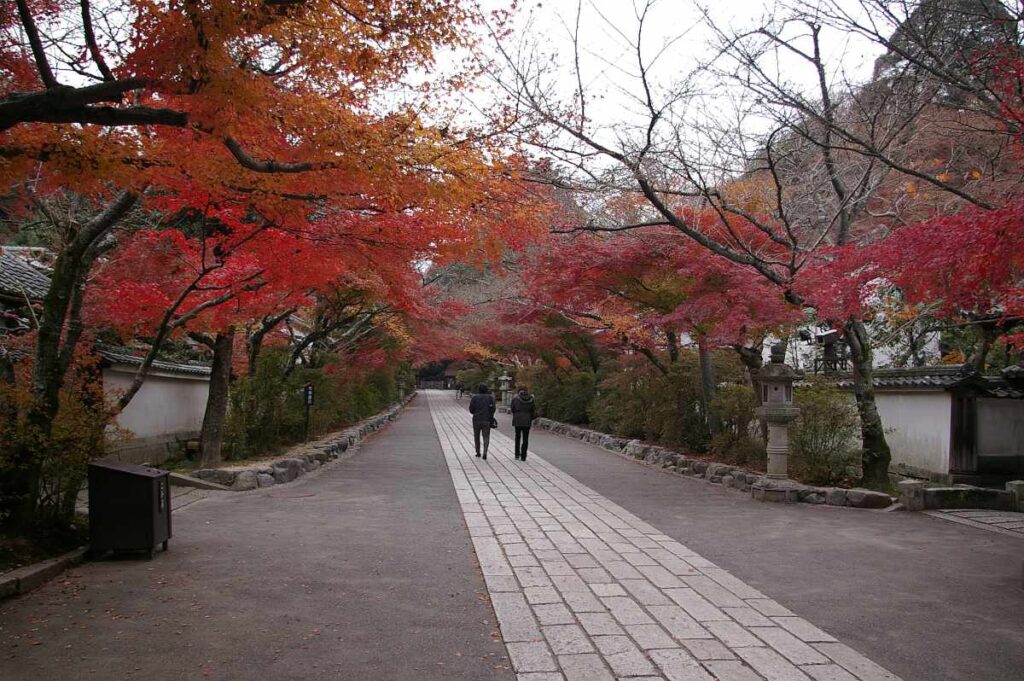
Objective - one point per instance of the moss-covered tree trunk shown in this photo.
(707, 388)
(875, 455)
(211, 439)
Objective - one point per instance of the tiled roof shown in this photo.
(937, 378)
(122, 356)
(1004, 392)
(18, 278)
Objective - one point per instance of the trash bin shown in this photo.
(129, 507)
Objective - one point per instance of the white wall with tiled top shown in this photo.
(168, 407)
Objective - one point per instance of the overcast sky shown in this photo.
(674, 33)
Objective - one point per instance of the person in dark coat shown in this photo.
(523, 411)
(482, 406)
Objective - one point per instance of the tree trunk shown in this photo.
(52, 356)
(592, 357)
(212, 437)
(254, 342)
(875, 456)
(10, 478)
(253, 346)
(652, 358)
(752, 359)
(673, 346)
(8, 409)
(979, 358)
(707, 387)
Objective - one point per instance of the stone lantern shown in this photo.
(505, 385)
(777, 409)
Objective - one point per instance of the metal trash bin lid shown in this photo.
(129, 468)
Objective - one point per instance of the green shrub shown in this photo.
(55, 463)
(266, 410)
(636, 400)
(630, 397)
(823, 440)
(625, 396)
(471, 378)
(681, 418)
(739, 441)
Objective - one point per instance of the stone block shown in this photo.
(717, 470)
(911, 494)
(865, 498)
(968, 497)
(265, 480)
(1016, 490)
(728, 480)
(808, 492)
(635, 449)
(287, 470)
(8, 587)
(245, 480)
(835, 496)
(776, 490)
(215, 475)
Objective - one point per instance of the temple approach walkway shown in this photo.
(586, 591)
(391, 564)
(361, 570)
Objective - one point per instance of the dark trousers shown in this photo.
(523, 433)
(485, 430)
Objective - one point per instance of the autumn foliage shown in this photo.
(238, 163)
(963, 266)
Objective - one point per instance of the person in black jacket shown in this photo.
(523, 410)
(482, 406)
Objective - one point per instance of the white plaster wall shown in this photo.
(1000, 427)
(166, 404)
(917, 427)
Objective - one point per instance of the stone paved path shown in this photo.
(584, 590)
(1003, 521)
(363, 570)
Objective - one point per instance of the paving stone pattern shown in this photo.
(585, 591)
(1000, 520)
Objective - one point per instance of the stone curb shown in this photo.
(299, 461)
(719, 473)
(25, 579)
(181, 480)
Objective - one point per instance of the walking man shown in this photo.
(482, 406)
(523, 410)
